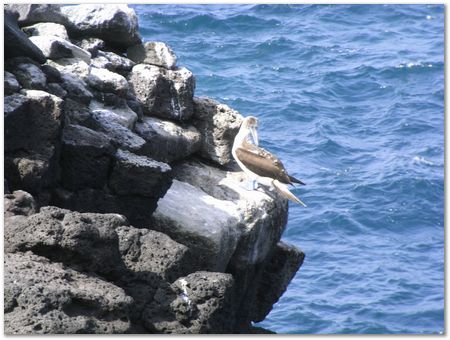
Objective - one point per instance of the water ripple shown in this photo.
(351, 98)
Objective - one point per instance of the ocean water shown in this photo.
(351, 98)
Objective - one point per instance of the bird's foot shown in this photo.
(249, 185)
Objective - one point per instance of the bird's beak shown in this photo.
(254, 133)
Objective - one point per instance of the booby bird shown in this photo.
(260, 165)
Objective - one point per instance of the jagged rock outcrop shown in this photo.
(54, 47)
(33, 127)
(19, 203)
(218, 125)
(43, 297)
(153, 53)
(46, 29)
(164, 93)
(124, 212)
(117, 25)
(10, 83)
(29, 14)
(167, 141)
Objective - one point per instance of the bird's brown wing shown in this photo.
(262, 163)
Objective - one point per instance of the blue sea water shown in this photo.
(351, 98)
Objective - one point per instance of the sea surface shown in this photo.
(351, 98)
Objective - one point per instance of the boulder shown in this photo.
(107, 81)
(29, 75)
(19, 203)
(184, 84)
(121, 137)
(86, 158)
(46, 28)
(139, 175)
(92, 45)
(207, 225)
(33, 122)
(85, 241)
(40, 126)
(54, 47)
(48, 298)
(10, 83)
(57, 90)
(29, 14)
(113, 62)
(167, 141)
(76, 67)
(218, 124)
(76, 89)
(145, 251)
(153, 53)
(77, 113)
(51, 73)
(16, 42)
(117, 25)
(202, 302)
(122, 115)
(164, 93)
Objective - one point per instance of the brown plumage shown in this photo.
(263, 163)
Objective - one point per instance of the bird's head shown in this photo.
(250, 125)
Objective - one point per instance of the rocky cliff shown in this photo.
(124, 211)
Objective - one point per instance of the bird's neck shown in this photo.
(240, 138)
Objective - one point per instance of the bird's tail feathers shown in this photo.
(284, 191)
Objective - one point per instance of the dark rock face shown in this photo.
(137, 209)
(120, 136)
(144, 250)
(76, 89)
(11, 84)
(115, 24)
(139, 175)
(28, 74)
(278, 272)
(17, 43)
(29, 14)
(33, 124)
(86, 158)
(197, 303)
(60, 300)
(86, 241)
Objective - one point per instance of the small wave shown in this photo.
(422, 160)
(414, 64)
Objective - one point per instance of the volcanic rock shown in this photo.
(47, 28)
(153, 53)
(117, 25)
(167, 141)
(218, 124)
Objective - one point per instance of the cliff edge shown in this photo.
(124, 211)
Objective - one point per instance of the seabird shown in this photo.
(260, 165)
